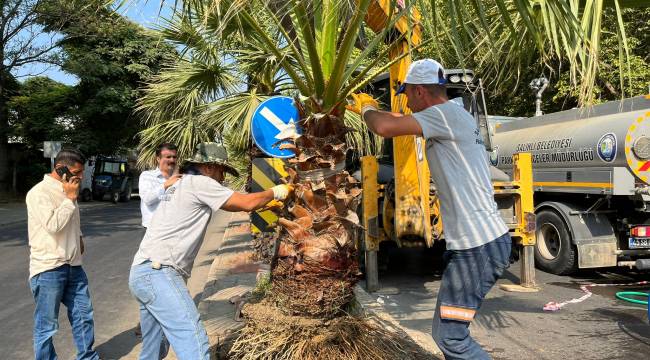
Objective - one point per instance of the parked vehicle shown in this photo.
(113, 178)
(591, 177)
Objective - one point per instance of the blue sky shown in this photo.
(144, 12)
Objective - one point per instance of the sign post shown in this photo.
(50, 150)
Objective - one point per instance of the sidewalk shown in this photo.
(391, 314)
(232, 273)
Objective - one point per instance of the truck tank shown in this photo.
(591, 170)
(588, 143)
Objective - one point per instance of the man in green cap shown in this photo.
(170, 245)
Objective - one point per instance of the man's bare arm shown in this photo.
(248, 202)
(389, 125)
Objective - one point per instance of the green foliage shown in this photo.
(608, 85)
(508, 60)
(198, 90)
(112, 57)
(10, 87)
(507, 42)
(562, 94)
(30, 172)
(42, 110)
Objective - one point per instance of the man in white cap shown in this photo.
(170, 245)
(478, 243)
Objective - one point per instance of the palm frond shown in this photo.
(361, 139)
(232, 116)
(184, 132)
(180, 89)
(239, 158)
(511, 35)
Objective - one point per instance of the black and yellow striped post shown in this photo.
(267, 173)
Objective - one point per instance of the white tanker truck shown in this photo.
(591, 171)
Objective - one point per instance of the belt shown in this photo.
(155, 264)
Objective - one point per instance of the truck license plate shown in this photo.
(641, 243)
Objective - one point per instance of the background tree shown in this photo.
(112, 57)
(519, 60)
(21, 43)
(42, 109)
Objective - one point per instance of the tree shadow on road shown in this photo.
(119, 345)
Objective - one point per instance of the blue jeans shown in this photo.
(68, 285)
(469, 275)
(166, 307)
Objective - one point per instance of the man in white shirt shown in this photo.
(169, 247)
(153, 183)
(151, 187)
(56, 248)
(478, 242)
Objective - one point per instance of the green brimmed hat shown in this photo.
(212, 153)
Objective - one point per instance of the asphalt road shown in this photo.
(514, 326)
(112, 234)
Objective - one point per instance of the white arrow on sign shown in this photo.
(286, 130)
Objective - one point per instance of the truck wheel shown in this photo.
(554, 252)
(127, 194)
(115, 197)
(86, 195)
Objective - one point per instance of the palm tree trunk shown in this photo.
(317, 265)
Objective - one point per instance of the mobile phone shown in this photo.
(63, 170)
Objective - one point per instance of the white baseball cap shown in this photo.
(421, 72)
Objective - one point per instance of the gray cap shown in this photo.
(212, 153)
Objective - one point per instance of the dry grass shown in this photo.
(270, 334)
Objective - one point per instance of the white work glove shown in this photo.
(280, 192)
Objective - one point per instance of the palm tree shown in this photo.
(214, 87)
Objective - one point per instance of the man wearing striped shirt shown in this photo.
(478, 243)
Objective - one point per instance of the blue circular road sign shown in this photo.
(275, 119)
